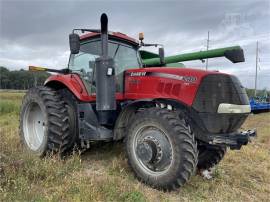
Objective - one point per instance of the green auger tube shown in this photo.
(235, 54)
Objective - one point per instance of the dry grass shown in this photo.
(102, 173)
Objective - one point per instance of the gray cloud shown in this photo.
(36, 32)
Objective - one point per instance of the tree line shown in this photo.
(259, 93)
(21, 79)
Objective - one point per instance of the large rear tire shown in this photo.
(44, 122)
(208, 158)
(71, 105)
(161, 148)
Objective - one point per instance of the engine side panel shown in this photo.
(169, 83)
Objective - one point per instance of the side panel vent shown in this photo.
(168, 88)
(176, 89)
(160, 87)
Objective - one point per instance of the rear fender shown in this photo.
(72, 82)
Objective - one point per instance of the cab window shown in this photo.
(125, 57)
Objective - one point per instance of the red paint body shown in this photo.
(143, 87)
(140, 87)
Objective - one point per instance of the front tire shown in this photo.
(161, 148)
(44, 122)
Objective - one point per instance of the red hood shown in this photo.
(161, 82)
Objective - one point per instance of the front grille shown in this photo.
(216, 89)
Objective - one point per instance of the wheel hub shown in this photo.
(34, 126)
(153, 149)
(149, 150)
(145, 152)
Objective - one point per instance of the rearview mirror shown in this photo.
(74, 43)
(235, 56)
(161, 56)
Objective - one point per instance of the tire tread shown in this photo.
(183, 136)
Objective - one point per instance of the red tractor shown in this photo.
(173, 120)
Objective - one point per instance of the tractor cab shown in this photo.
(121, 48)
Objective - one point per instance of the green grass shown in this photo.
(7, 106)
(10, 102)
(14, 95)
(102, 173)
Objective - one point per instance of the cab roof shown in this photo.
(116, 35)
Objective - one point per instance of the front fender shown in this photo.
(126, 114)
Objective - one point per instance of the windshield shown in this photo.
(125, 57)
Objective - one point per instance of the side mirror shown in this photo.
(161, 56)
(235, 56)
(74, 43)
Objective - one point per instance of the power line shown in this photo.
(256, 73)
(207, 47)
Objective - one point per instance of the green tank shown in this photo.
(234, 54)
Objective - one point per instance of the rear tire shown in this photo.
(44, 122)
(71, 105)
(169, 134)
(208, 158)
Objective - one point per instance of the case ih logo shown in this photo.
(137, 73)
(189, 79)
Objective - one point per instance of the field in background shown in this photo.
(102, 173)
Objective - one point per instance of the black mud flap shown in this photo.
(233, 140)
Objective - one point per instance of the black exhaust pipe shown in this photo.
(105, 79)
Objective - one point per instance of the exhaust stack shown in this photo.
(105, 79)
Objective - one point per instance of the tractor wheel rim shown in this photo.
(34, 126)
(152, 139)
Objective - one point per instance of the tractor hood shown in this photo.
(163, 82)
(186, 85)
(218, 99)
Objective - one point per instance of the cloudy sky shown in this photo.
(36, 32)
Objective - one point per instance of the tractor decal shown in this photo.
(190, 79)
